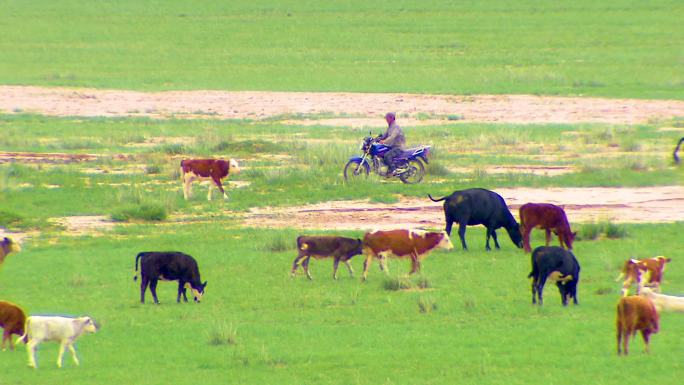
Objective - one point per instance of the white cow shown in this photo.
(64, 330)
(662, 301)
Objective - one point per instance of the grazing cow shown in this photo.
(64, 330)
(202, 169)
(12, 320)
(676, 150)
(635, 313)
(7, 246)
(645, 272)
(479, 207)
(323, 246)
(415, 244)
(558, 265)
(168, 266)
(663, 302)
(548, 217)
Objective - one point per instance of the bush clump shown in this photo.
(143, 211)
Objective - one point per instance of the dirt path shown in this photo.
(618, 205)
(364, 109)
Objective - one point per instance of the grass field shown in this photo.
(474, 324)
(624, 48)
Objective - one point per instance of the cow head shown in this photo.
(445, 241)
(9, 245)
(234, 167)
(197, 291)
(515, 234)
(89, 325)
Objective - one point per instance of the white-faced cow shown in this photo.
(414, 244)
(168, 266)
(204, 169)
(662, 302)
(643, 272)
(12, 320)
(558, 265)
(7, 246)
(478, 206)
(325, 246)
(64, 330)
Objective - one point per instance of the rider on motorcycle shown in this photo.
(394, 139)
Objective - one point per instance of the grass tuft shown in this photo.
(223, 334)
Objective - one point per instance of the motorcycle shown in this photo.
(410, 164)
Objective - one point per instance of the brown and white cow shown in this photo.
(204, 169)
(325, 246)
(414, 244)
(545, 216)
(643, 272)
(12, 320)
(7, 246)
(635, 313)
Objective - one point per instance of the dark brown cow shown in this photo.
(324, 246)
(7, 246)
(414, 244)
(548, 217)
(635, 313)
(12, 320)
(202, 169)
(643, 272)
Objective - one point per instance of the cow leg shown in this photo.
(367, 262)
(625, 341)
(61, 354)
(619, 338)
(295, 264)
(526, 238)
(217, 181)
(5, 336)
(415, 264)
(534, 290)
(496, 241)
(187, 186)
(31, 350)
(73, 354)
(548, 236)
(349, 266)
(646, 335)
(449, 224)
(540, 288)
(336, 263)
(461, 233)
(144, 281)
(181, 290)
(305, 265)
(153, 290)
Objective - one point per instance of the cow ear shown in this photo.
(204, 284)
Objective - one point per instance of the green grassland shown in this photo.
(286, 165)
(474, 325)
(621, 48)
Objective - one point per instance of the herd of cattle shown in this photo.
(466, 208)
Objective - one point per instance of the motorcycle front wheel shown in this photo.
(354, 170)
(415, 172)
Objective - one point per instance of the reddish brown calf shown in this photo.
(214, 169)
(635, 313)
(7, 246)
(12, 320)
(548, 217)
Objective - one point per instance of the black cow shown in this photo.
(676, 150)
(556, 264)
(169, 266)
(324, 246)
(478, 206)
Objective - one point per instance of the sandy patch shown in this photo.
(519, 169)
(36, 157)
(618, 205)
(368, 107)
(84, 224)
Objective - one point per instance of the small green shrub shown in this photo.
(10, 219)
(223, 334)
(594, 231)
(614, 231)
(397, 283)
(152, 169)
(426, 304)
(141, 211)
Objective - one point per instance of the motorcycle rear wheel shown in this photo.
(354, 170)
(415, 172)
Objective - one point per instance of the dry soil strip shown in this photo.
(261, 105)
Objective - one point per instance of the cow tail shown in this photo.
(137, 258)
(676, 150)
(437, 200)
(25, 336)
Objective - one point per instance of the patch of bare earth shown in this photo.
(363, 108)
(618, 205)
